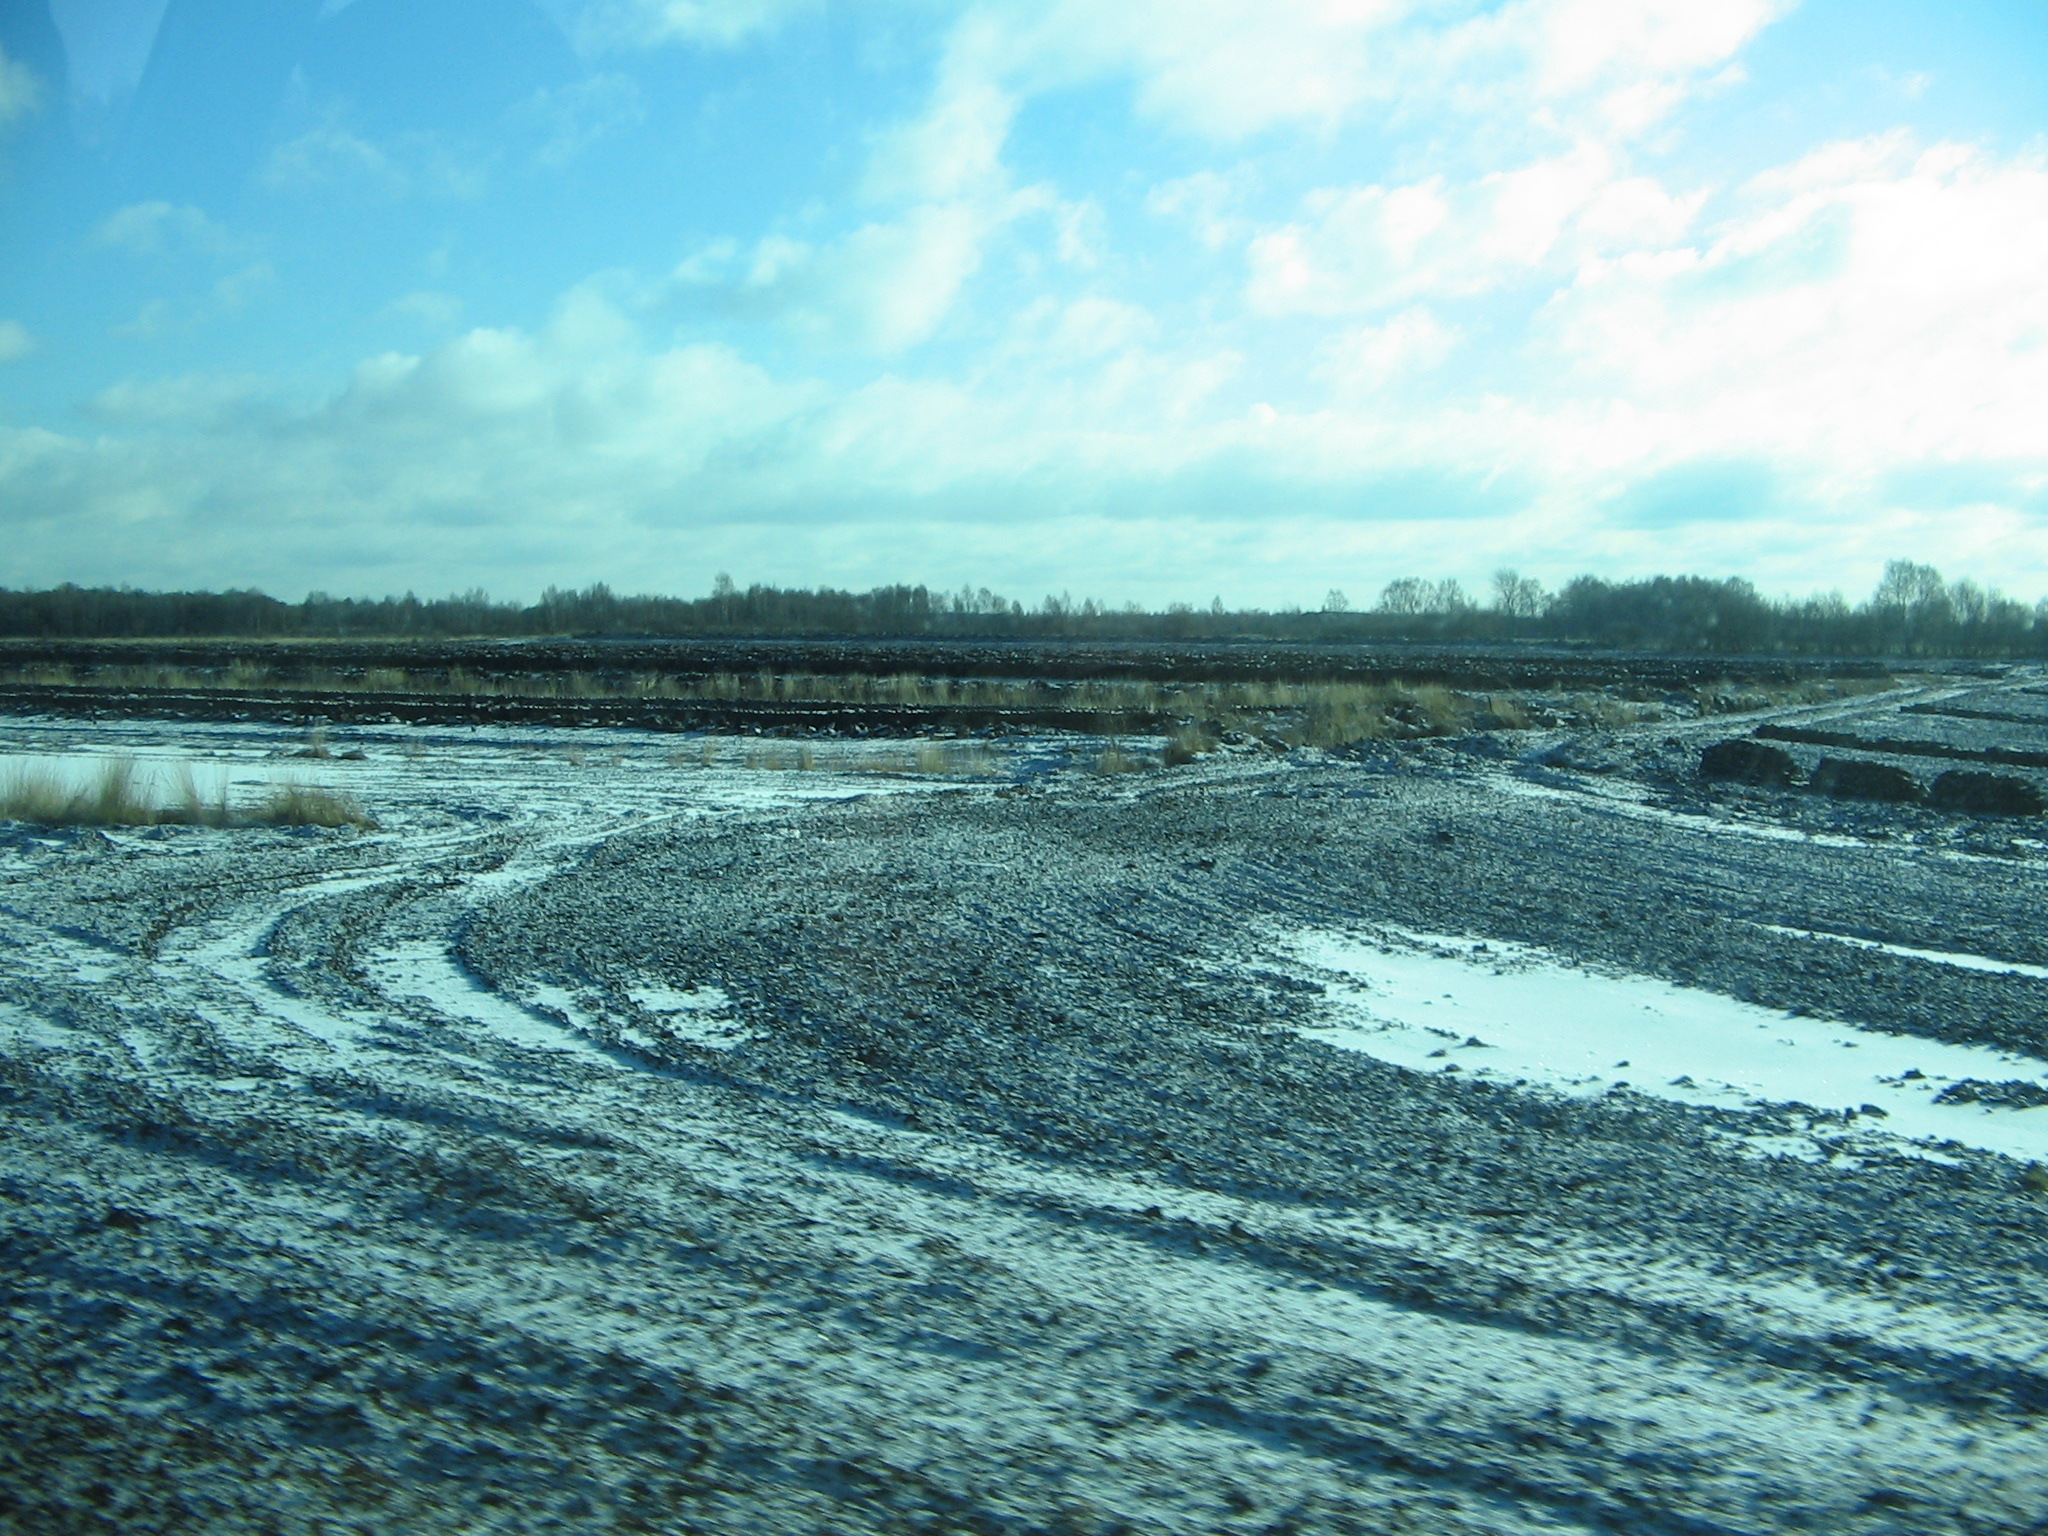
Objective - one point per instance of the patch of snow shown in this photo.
(703, 1016)
(1517, 1014)
(426, 971)
(19, 1027)
(1624, 799)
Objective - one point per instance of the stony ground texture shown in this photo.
(629, 1146)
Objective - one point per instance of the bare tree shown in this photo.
(1405, 594)
(1516, 596)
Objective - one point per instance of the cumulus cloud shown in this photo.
(429, 307)
(579, 452)
(954, 149)
(1205, 202)
(15, 341)
(203, 402)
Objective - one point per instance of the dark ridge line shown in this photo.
(1900, 747)
(1469, 664)
(1952, 712)
(670, 715)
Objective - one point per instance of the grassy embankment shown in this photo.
(1322, 713)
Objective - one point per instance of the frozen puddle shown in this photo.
(1514, 1013)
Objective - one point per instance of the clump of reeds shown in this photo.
(117, 799)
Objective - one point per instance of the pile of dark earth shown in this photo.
(1022, 1206)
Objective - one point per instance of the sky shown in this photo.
(1148, 301)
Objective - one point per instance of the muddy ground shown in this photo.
(617, 1142)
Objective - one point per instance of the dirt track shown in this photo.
(620, 1147)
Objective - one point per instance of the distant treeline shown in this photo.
(1913, 612)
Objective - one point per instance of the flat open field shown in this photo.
(1506, 1131)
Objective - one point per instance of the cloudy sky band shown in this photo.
(1150, 301)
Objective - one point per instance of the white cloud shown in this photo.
(435, 310)
(1204, 200)
(159, 228)
(1229, 69)
(20, 91)
(889, 284)
(883, 288)
(1872, 303)
(328, 155)
(1582, 45)
(331, 156)
(1092, 447)
(574, 117)
(1221, 68)
(15, 341)
(604, 25)
(1366, 360)
(953, 150)
(1370, 247)
(201, 402)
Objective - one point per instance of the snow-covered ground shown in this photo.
(644, 1133)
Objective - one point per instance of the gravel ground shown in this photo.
(623, 1146)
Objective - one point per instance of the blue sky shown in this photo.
(1150, 301)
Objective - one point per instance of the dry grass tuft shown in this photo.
(956, 759)
(1187, 744)
(1115, 759)
(302, 805)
